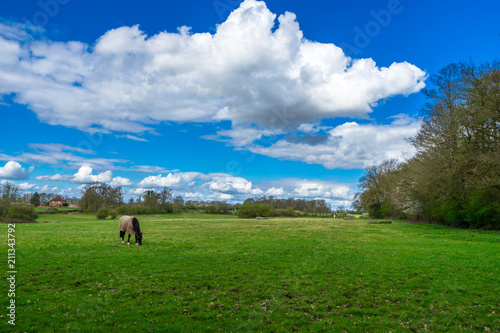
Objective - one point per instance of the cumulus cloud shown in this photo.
(14, 171)
(120, 182)
(228, 184)
(84, 176)
(213, 182)
(275, 191)
(48, 189)
(172, 180)
(27, 186)
(350, 145)
(309, 189)
(257, 68)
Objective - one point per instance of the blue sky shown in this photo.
(284, 98)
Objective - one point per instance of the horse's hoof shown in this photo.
(123, 242)
(136, 244)
(128, 243)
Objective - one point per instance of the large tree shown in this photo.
(35, 199)
(9, 192)
(378, 186)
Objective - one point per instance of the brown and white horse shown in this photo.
(130, 225)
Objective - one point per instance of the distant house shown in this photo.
(57, 201)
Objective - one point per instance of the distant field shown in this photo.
(208, 273)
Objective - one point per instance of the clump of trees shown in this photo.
(104, 200)
(253, 210)
(11, 207)
(98, 195)
(454, 178)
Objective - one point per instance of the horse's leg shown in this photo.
(136, 240)
(128, 242)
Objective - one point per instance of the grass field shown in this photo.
(217, 273)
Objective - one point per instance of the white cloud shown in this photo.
(193, 196)
(321, 189)
(350, 145)
(84, 176)
(48, 189)
(255, 69)
(213, 182)
(228, 184)
(275, 191)
(27, 186)
(58, 147)
(120, 182)
(172, 180)
(220, 197)
(56, 154)
(132, 137)
(241, 136)
(14, 171)
(137, 191)
(330, 191)
(56, 177)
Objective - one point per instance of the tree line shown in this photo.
(104, 200)
(454, 178)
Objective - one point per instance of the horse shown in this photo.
(130, 225)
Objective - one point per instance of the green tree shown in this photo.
(35, 199)
(97, 195)
(9, 193)
(378, 187)
(151, 201)
(166, 200)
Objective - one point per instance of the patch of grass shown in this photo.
(200, 272)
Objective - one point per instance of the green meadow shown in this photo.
(206, 273)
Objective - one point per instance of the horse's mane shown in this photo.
(137, 228)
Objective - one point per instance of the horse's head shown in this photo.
(137, 228)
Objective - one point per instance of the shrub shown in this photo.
(102, 213)
(113, 213)
(247, 210)
(265, 210)
(51, 210)
(287, 212)
(22, 213)
(4, 210)
(252, 210)
(483, 209)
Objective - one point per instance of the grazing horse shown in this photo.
(130, 225)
